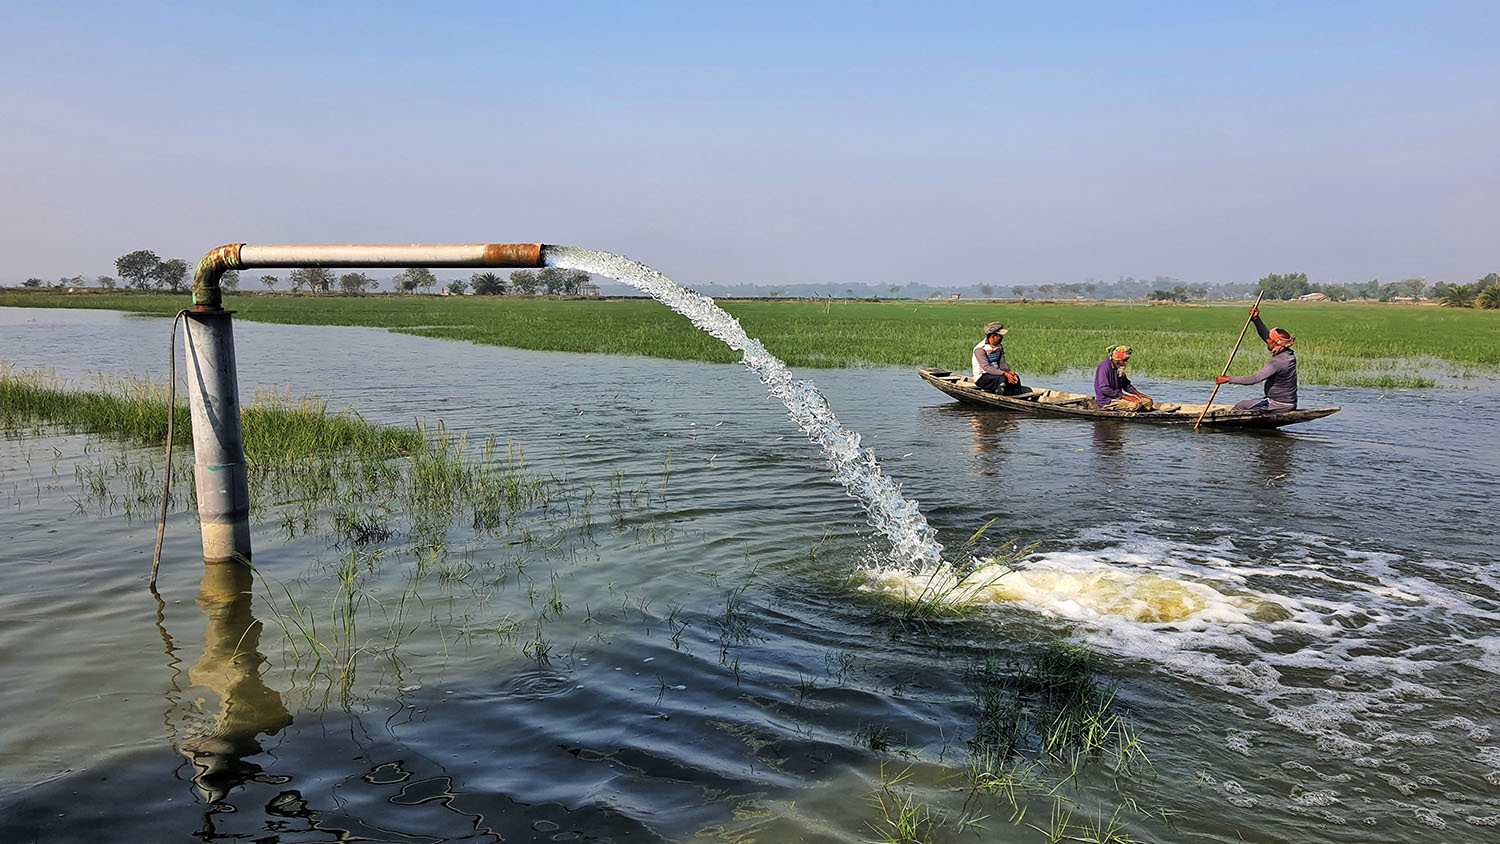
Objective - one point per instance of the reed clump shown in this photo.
(1049, 705)
(136, 411)
(1043, 719)
(279, 427)
(276, 427)
(296, 453)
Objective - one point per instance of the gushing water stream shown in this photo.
(913, 542)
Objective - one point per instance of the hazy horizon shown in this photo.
(771, 145)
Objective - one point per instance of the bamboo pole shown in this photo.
(1228, 363)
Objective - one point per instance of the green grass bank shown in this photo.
(1351, 344)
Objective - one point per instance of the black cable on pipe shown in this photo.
(166, 482)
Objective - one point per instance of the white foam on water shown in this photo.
(1429, 817)
(1236, 794)
(1476, 732)
(1239, 741)
(1323, 797)
(1489, 658)
(1308, 769)
(1327, 642)
(1071, 586)
(892, 515)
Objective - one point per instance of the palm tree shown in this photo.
(1459, 296)
(487, 284)
(1489, 298)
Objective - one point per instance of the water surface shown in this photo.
(1304, 626)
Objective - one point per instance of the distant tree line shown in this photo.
(144, 270)
(1484, 293)
(1178, 293)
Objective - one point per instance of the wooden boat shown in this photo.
(1059, 403)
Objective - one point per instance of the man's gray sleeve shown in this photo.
(1273, 366)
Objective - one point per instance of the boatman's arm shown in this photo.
(1273, 366)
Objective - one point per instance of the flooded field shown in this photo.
(689, 632)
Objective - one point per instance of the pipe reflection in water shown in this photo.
(230, 667)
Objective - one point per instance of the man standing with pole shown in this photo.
(1279, 373)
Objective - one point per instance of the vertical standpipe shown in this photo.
(219, 473)
(218, 448)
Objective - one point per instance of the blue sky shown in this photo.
(767, 143)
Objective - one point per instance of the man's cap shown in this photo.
(995, 328)
(1119, 352)
(1282, 338)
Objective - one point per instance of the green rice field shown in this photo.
(1350, 344)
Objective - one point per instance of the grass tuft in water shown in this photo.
(903, 819)
(1049, 706)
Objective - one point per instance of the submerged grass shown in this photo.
(1042, 719)
(313, 465)
(1050, 705)
(1045, 720)
(947, 591)
(410, 515)
(1352, 344)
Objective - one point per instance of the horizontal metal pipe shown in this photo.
(234, 256)
(393, 255)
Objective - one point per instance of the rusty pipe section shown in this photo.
(235, 256)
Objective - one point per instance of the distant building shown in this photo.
(1313, 297)
(588, 289)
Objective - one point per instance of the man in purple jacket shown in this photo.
(1112, 387)
(1279, 374)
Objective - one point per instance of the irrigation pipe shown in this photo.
(166, 480)
(1253, 309)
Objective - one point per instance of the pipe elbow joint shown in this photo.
(207, 296)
